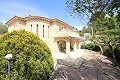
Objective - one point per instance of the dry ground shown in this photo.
(84, 65)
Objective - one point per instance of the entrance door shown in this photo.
(62, 46)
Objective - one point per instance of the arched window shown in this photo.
(14, 27)
(48, 32)
(43, 32)
(31, 27)
(60, 29)
(37, 29)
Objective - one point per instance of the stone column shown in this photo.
(67, 47)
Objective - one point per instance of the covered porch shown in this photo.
(67, 44)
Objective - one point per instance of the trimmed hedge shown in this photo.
(32, 59)
(91, 46)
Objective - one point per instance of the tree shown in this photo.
(109, 35)
(97, 12)
(80, 33)
(89, 7)
(86, 29)
(32, 59)
(3, 28)
(110, 38)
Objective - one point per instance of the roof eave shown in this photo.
(13, 19)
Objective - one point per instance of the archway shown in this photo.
(62, 46)
(71, 45)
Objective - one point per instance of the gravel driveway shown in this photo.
(83, 65)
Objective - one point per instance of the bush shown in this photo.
(90, 46)
(32, 59)
(106, 51)
(83, 46)
(117, 52)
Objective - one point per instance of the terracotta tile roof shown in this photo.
(15, 18)
(57, 20)
(37, 17)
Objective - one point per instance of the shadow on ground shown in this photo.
(82, 69)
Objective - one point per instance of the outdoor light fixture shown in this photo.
(8, 57)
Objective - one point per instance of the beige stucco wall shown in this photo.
(13, 26)
(54, 30)
(17, 25)
(21, 25)
(40, 23)
(49, 33)
(64, 26)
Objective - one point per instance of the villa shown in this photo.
(59, 36)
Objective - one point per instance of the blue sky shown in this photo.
(47, 8)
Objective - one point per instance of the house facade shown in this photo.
(59, 36)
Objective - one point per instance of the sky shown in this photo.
(46, 8)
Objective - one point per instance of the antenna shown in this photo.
(29, 12)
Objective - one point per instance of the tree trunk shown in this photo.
(101, 49)
(113, 55)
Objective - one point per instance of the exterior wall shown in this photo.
(50, 29)
(13, 26)
(17, 25)
(32, 27)
(54, 30)
(21, 25)
(56, 27)
(64, 27)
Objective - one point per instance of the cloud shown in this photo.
(11, 9)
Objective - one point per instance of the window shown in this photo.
(43, 32)
(48, 31)
(60, 29)
(37, 29)
(27, 27)
(14, 27)
(31, 27)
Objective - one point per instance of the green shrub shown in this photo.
(117, 52)
(106, 51)
(91, 46)
(83, 46)
(32, 59)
